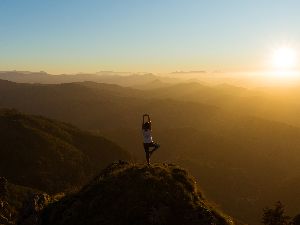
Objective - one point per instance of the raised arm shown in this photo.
(149, 120)
(145, 115)
(143, 121)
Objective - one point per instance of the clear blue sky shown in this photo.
(67, 36)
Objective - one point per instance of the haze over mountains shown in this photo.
(147, 80)
(272, 103)
(242, 145)
(124, 79)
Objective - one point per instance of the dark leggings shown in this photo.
(149, 151)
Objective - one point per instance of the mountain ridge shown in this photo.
(128, 193)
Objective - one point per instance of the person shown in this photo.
(149, 145)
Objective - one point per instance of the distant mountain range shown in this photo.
(101, 77)
(279, 104)
(223, 134)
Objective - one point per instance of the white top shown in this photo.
(147, 134)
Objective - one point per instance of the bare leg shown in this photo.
(156, 146)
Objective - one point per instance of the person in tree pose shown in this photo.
(149, 145)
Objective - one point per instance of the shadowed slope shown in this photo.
(50, 155)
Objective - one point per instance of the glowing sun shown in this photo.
(284, 58)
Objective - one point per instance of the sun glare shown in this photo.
(283, 65)
(284, 58)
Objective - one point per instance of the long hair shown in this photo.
(146, 126)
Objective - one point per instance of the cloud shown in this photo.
(189, 72)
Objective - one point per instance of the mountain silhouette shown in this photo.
(134, 194)
(127, 79)
(49, 155)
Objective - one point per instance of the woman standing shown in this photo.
(149, 145)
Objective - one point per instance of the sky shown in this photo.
(159, 36)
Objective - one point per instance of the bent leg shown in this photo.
(155, 147)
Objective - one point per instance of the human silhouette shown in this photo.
(149, 145)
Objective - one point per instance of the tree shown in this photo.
(276, 215)
(296, 220)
